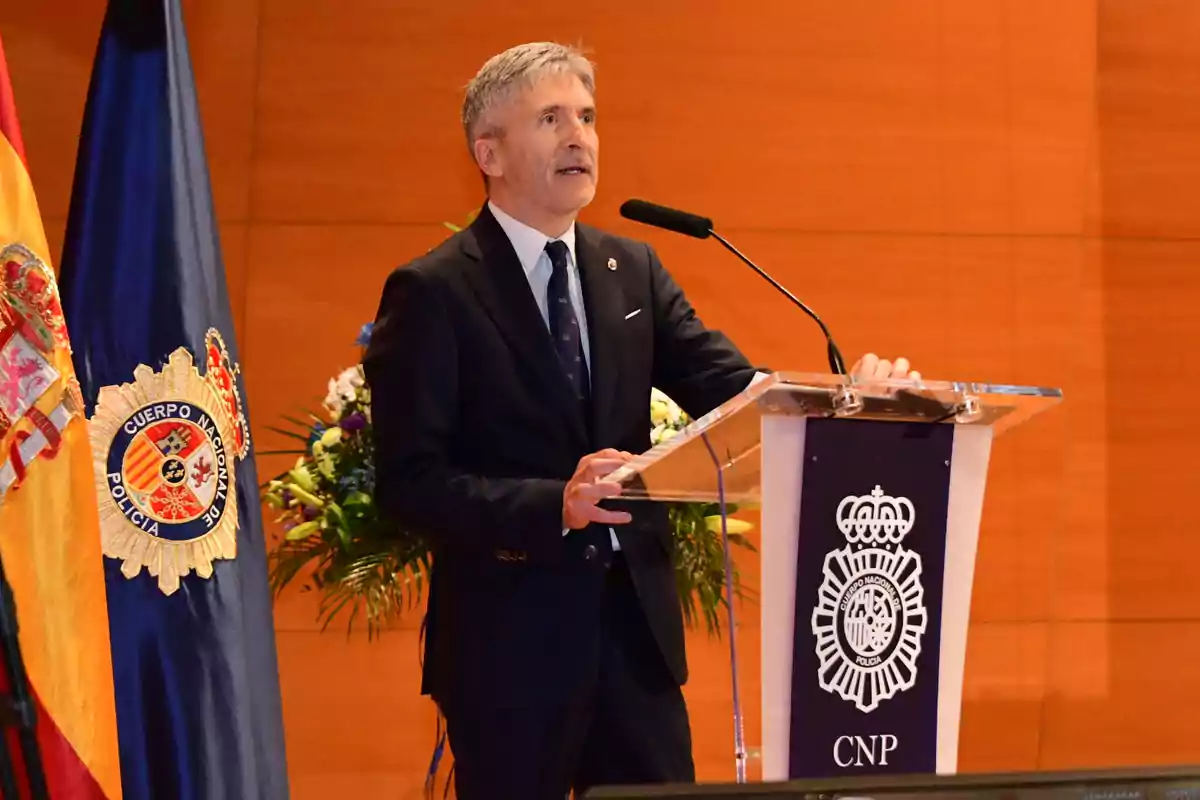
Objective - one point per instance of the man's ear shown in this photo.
(487, 156)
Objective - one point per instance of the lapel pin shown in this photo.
(612, 264)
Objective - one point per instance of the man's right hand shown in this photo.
(585, 490)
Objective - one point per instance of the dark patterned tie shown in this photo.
(564, 327)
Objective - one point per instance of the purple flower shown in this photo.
(310, 513)
(364, 334)
(354, 422)
(286, 497)
(287, 526)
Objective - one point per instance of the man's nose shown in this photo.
(574, 132)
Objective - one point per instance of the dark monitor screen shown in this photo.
(1150, 783)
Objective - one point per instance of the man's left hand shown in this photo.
(872, 367)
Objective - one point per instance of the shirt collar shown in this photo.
(529, 242)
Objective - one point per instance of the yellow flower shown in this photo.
(659, 412)
(331, 437)
(328, 439)
(303, 530)
(306, 498)
(713, 523)
(302, 477)
(325, 465)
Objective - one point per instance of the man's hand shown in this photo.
(871, 367)
(585, 490)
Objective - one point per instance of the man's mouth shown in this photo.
(577, 170)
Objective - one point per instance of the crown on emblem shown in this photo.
(876, 518)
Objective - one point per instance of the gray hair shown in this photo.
(519, 67)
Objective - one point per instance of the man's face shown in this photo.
(546, 161)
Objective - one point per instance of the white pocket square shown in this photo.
(633, 314)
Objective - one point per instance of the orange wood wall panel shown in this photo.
(1152, 331)
(1143, 716)
(223, 40)
(234, 237)
(1002, 696)
(1148, 104)
(49, 48)
(1050, 78)
(1002, 190)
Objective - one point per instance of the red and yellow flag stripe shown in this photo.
(49, 525)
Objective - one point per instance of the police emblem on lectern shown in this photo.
(870, 613)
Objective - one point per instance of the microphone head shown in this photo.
(671, 219)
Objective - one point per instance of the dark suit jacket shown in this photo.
(478, 431)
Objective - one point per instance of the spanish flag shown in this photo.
(65, 745)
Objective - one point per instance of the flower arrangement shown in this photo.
(335, 541)
(331, 527)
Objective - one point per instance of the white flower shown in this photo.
(662, 433)
(666, 417)
(656, 434)
(658, 412)
(349, 382)
(333, 400)
(343, 389)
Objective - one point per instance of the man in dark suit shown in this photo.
(510, 371)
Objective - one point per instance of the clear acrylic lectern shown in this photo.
(871, 495)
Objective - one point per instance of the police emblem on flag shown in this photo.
(165, 448)
(870, 614)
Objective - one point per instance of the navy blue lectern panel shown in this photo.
(869, 598)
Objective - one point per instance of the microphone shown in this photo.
(673, 219)
(669, 218)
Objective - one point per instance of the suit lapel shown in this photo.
(603, 299)
(500, 283)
